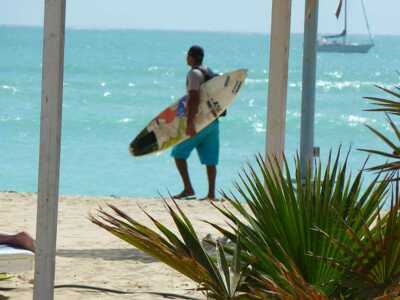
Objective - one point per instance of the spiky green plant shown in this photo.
(274, 214)
(389, 107)
(279, 212)
(371, 262)
(219, 279)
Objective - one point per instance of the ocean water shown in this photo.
(115, 81)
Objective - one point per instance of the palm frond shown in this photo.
(371, 262)
(183, 253)
(5, 276)
(389, 107)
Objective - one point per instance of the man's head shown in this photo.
(195, 55)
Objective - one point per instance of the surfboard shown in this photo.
(168, 128)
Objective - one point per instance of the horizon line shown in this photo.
(107, 28)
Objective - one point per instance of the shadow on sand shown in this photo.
(107, 254)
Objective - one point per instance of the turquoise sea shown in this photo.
(116, 80)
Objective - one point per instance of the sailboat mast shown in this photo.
(345, 21)
(367, 23)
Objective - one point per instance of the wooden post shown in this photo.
(308, 90)
(50, 138)
(278, 77)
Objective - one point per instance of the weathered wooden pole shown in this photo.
(308, 90)
(278, 77)
(50, 138)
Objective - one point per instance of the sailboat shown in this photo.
(339, 42)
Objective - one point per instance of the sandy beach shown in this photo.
(88, 255)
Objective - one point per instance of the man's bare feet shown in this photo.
(21, 239)
(25, 241)
(185, 195)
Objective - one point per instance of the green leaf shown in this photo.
(5, 276)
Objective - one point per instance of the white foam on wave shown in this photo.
(335, 74)
(339, 85)
(131, 84)
(103, 84)
(295, 84)
(153, 68)
(107, 94)
(354, 120)
(8, 87)
(256, 80)
(297, 115)
(256, 123)
(169, 74)
(259, 127)
(327, 85)
(125, 120)
(294, 114)
(8, 119)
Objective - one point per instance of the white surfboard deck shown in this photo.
(15, 260)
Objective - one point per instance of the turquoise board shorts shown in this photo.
(206, 143)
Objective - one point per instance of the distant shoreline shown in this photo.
(89, 28)
(110, 196)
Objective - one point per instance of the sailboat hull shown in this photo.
(344, 48)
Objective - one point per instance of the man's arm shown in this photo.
(195, 79)
(193, 107)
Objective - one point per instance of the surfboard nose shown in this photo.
(133, 150)
(144, 143)
(243, 72)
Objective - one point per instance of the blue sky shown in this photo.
(209, 15)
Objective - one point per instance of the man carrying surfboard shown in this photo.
(206, 142)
